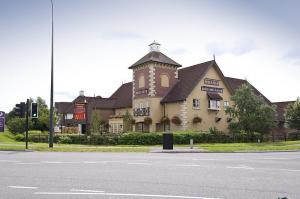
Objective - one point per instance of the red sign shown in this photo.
(79, 112)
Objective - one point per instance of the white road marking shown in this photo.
(250, 168)
(138, 163)
(292, 170)
(95, 162)
(28, 163)
(84, 190)
(14, 161)
(122, 194)
(188, 165)
(22, 187)
(57, 162)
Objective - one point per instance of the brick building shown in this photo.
(163, 96)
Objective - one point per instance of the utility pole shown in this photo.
(51, 93)
(26, 125)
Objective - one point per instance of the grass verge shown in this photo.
(255, 147)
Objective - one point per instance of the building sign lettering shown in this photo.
(141, 92)
(212, 89)
(2, 121)
(211, 82)
(141, 111)
(79, 111)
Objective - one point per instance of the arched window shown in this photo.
(141, 81)
(164, 81)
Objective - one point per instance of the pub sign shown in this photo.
(79, 111)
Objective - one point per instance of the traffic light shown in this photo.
(20, 110)
(34, 110)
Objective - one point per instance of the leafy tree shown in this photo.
(17, 125)
(250, 113)
(293, 115)
(127, 120)
(96, 123)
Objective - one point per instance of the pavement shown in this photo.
(47, 175)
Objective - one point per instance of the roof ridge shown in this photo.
(195, 65)
(283, 102)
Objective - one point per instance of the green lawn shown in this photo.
(7, 142)
(235, 147)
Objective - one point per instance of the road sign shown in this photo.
(2, 121)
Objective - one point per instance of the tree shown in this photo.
(127, 120)
(250, 113)
(17, 125)
(96, 123)
(293, 115)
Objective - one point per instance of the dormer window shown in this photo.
(142, 81)
(164, 81)
(214, 102)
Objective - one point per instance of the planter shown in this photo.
(176, 120)
(147, 120)
(165, 120)
(197, 120)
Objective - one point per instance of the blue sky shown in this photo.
(96, 41)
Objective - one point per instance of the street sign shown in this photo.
(2, 121)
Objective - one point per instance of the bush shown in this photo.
(137, 138)
(16, 125)
(20, 137)
(64, 139)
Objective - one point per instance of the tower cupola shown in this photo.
(154, 46)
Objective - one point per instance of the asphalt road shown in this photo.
(147, 175)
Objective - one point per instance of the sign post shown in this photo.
(2, 121)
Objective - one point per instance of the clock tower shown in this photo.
(153, 76)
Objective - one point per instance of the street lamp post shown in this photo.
(51, 92)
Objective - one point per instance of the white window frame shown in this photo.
(197, 103)
(226, 104)
(214, 104)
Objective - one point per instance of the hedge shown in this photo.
(138, 138)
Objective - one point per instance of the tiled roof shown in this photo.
(123, 96)
(96, 102)
(280, 109)
(188, 79)
(155, 57)
(235, 84)
(64, 107)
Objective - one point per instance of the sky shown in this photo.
(95, 41)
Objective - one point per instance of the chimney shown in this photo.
(81, 93)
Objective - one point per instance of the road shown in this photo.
(50, 175)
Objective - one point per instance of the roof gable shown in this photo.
(188, 79)
(235, 84)
(155, 56)
(123, 96)
(280, 109)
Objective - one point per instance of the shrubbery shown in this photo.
(138, 138)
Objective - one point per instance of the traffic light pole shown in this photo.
(51, 92)
(27, 125)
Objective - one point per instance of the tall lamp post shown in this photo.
(51, 93)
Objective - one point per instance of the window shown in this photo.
(164, 81)
(196, 103)
(214, 104)
(141, 81)
(226, 104)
